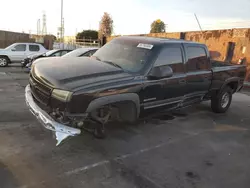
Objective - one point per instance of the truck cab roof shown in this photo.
(156, 41)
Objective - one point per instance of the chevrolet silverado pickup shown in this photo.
(127, 76)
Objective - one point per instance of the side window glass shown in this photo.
(34, 48)
(20, 48)
(57, 54)
(197, 59)
(171, 57)
(63, 53)
(87, 54)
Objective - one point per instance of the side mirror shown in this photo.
(13, 49)
(161, 72)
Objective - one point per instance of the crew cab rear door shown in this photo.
(33, 49)
(167, 92)
(199, 74)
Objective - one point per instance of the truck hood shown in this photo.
(74, 73)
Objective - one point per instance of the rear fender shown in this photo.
(99, 102)
(230, 80)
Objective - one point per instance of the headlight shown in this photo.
(62, 95)
(32, 66)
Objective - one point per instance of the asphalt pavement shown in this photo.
(187, 149)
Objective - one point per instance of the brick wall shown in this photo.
(216, 40)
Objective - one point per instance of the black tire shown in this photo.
(222, 101)
(4, 61)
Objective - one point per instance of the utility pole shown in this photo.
(62, 22)
(44, 29)
(38, 27)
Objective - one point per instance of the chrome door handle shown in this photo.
(205, 77)
(182, 81)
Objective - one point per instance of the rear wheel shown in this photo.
(221, 102)
(4, 61)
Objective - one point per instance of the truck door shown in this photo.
(33, 48)
(199, 75)
(18, 52)
(167, 92)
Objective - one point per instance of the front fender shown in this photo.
(4, 53)
(99, 102)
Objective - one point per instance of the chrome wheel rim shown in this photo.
(225, 100)
(3, 62)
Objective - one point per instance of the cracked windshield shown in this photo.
(133, 94)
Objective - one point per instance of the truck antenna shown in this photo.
(198, 22)
(199, 25)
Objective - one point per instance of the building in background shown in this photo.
(70, 39)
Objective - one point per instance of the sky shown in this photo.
(130, 16)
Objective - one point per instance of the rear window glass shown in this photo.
(197, 59)
(34, 48)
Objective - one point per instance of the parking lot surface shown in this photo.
(187, 149)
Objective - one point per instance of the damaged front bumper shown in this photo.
(61, 131)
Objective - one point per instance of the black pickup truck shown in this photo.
(125, 77)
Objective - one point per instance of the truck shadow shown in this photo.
(7, 179)
(153, 118)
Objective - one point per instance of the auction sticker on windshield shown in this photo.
(146, 46)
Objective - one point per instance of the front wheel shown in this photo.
(221, 102)
(3, 62)
(99, 132)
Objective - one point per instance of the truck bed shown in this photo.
(223, 72)
(216, 63)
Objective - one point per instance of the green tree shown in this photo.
(158, 26)
(87, 34)
(106, 25)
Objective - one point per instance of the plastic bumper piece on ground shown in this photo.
(61, 131)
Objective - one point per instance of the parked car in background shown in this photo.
(125, 77)
(27, 62)
(16, 52)
(81, 52)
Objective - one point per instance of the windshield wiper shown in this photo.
(111, 63)
(97, 58)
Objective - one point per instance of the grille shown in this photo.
(40, 91)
